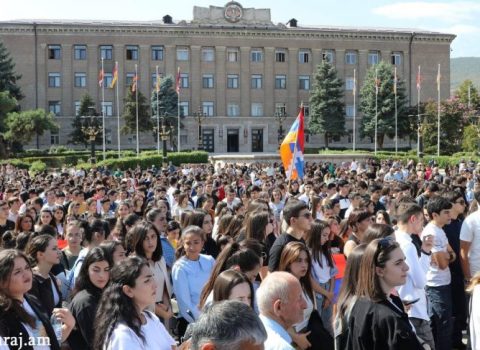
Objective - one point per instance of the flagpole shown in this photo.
(103, 113)
(418, 111)
(376, 108)
(136, 110)
(178, 121)
(118, 116)
(294, 151)
(158, 115)
(438, 111)
(354, 107)
(396, 113)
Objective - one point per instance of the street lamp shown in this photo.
(164, 135)
(280, 117)
(419, 133)
(200, 117)
(91, 130)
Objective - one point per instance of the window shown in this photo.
(183, 108)
(80, 52)
(349, 111)
(350, 57)
(373, 57)
(306, 110)
(54, 80)
(208, 54)
(132, 52)
(154, 79)
(349, 84)
(184, 83)
(54, 107)
(304, 82)
(129, 79)
(107, 79)
(108, 136)
(280, 56)
(207, 81)
(256, 81)
(54, 52)
(328, 56)
(280, 82)
(76, 107)
(232, 81)
(184, 139)
(232, 55)
(396, 58)
(303, 56)
(107, 108)
(157, 53)
(54, 138)
(257, 109)
(256, 55)
(233, 110)
(280, 108)
(132, 139)
(182, 54)
(106, 52)
(80, 80)
(207, 108)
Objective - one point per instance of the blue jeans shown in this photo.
(440, 312)
(325, 314)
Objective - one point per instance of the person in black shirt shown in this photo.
(5, 224)
(299, 220)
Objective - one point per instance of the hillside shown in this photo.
(462, 68)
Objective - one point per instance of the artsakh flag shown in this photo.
(134, 83)
(439, 77)
(177, 85)
(100, 78)
(115, 75)
(292, 148)
(419, 79)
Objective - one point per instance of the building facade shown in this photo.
(236, 66)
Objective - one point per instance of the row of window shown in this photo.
(208, 54)
(233, 109)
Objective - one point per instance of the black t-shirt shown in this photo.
(9, 225)
(277, 248)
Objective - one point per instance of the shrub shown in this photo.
(38, 167)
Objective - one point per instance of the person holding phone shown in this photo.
(412, 293)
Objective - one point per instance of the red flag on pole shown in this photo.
(177, 86)
(419, 79)
(134, 83)
(100, 77)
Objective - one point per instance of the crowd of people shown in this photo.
(357, 255)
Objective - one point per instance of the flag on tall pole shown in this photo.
(439, 78)
(354, 93)
(419, 79)
(177, 81)
(292, 148)
(177, 88)
(157, 89)
(114, 75)
(396, 108)
(134, 82)
(103, 115)
(135, 89)
(377, 87)
(118, 111)
(438, 110)
(101, 76)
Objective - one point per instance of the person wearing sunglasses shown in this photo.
(299, 221)
(377, 319)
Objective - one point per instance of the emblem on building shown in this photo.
(233, 12)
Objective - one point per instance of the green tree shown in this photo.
(23, 126)
(463, 95)
(129, 114)
(8, 77)
(386, 104)
(470, 138)
(7, 104)
(167, 105)
(327, 112)
(87, 108)
(453, 119)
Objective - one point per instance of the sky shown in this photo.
(453, 17)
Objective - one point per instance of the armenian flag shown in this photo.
(100, 78)
(115, 75)
(134, 83)
(177, 82)
(292, 148)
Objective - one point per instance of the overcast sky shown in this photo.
(455, 17)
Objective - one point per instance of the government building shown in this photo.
(238, 69)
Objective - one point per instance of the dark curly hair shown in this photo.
(115, 306)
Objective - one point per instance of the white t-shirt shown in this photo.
(437, 277)
(155, 334)
(324, 273)
(470, 232)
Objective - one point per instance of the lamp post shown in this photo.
(419, 133)
(91, 130)
(280, 117)
(199, 117)
(163, 134)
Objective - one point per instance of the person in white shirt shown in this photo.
(229, 325)
(470, 243)
(439, 293)
(281, 304)
(410, 222)
(122, 321)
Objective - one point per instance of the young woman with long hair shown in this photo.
(24, 223)
(59, 220)
(233, 285)
(44, 218)
(359, 220)
(122, 321)
(22, 316)
(93, 277)
(203, 220)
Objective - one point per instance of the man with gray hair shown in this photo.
(228, 325)
(281, 304)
